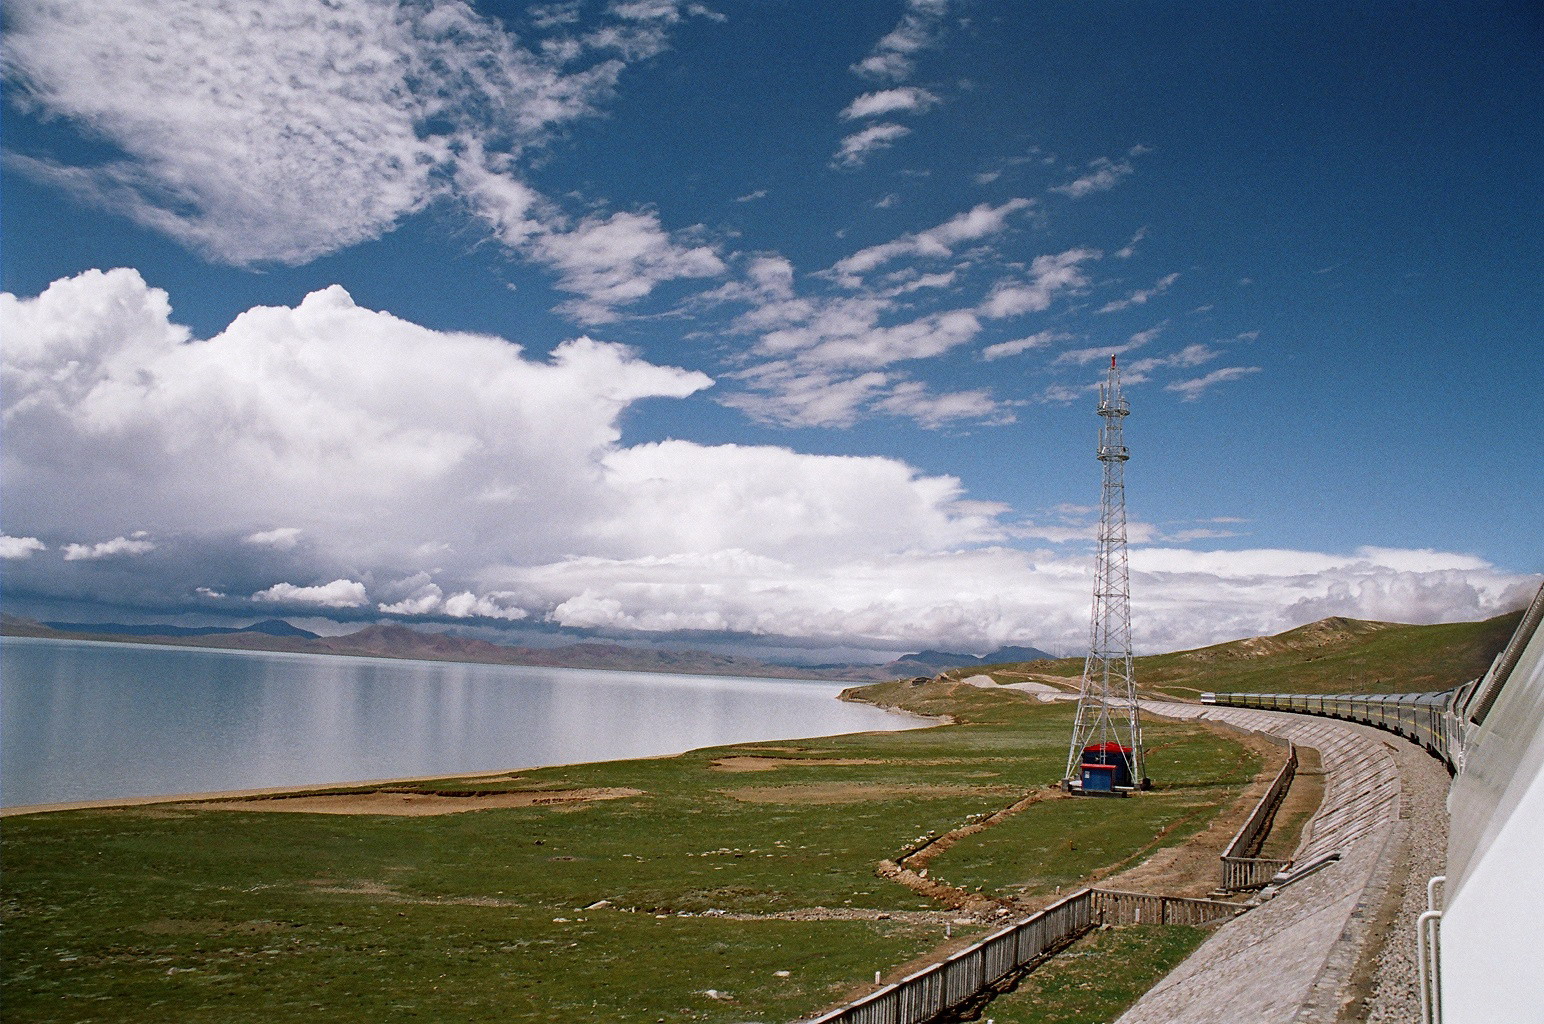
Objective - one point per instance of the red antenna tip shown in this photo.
(1112, 362)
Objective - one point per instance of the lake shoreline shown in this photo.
(924, 722)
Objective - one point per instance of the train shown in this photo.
(1445, 722)
(1432, 720)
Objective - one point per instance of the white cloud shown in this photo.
(1190, 390)
(792, 396)
(1103, 174)
(1141, 295)
(1129, 250)
(931, 410)
(616, 260)
(888, 101)
(894, 56)
(309, 129)
(1048, 276)
(935, 242)
(337, 594)
(981, 597)
(1084, 356)
(135, 545)
(495, 486)
(20, 547)
(430, 600)
(282, 137)
(856, 148)
(284, 538)
(1004, 349)
(751, 197)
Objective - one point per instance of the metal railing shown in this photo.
(1240, 870)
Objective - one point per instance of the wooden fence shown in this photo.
(943, 986)
(1240, 869)
(1111, 906)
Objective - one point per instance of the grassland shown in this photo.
(1098, 976)
(1334, 655)
(710, 879)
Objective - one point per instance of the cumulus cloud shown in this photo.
(20, 547)
(135, 545)
(337, 594)
(856, 148)
(1193, 389)
(398, 449)
(493, 486)
(284, 537)
(894, 57)
(906, 99)
(977, 598)
(1103, 174)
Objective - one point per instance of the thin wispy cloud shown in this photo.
(894, 57)
(855, 149)
(906, 99)
(1191, 390)
(1103, 174)
(936, 242)
(1141, 296)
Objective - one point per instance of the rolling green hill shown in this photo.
(1334, 655)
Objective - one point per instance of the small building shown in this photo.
(1105, 768)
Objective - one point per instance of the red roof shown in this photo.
(1106, 748)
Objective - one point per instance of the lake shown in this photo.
(96, 721)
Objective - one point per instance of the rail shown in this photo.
(1240, 868)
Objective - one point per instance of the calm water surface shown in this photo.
(90, 721)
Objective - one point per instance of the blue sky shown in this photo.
(847, 272)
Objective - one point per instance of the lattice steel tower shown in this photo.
(1107, 707)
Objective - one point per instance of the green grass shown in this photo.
(1098, 977)
(152, 914)
(1336, 656)
(1059, 844)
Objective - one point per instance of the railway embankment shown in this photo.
(1323, 949)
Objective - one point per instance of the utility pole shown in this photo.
(1106, 753)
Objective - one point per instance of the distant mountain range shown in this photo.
(392, 641)
(268, 627)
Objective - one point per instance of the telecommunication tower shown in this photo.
(1108, 729)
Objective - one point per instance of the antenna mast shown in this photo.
(1108, 727)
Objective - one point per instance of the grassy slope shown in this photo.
(1330, 656)
(156, 914)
